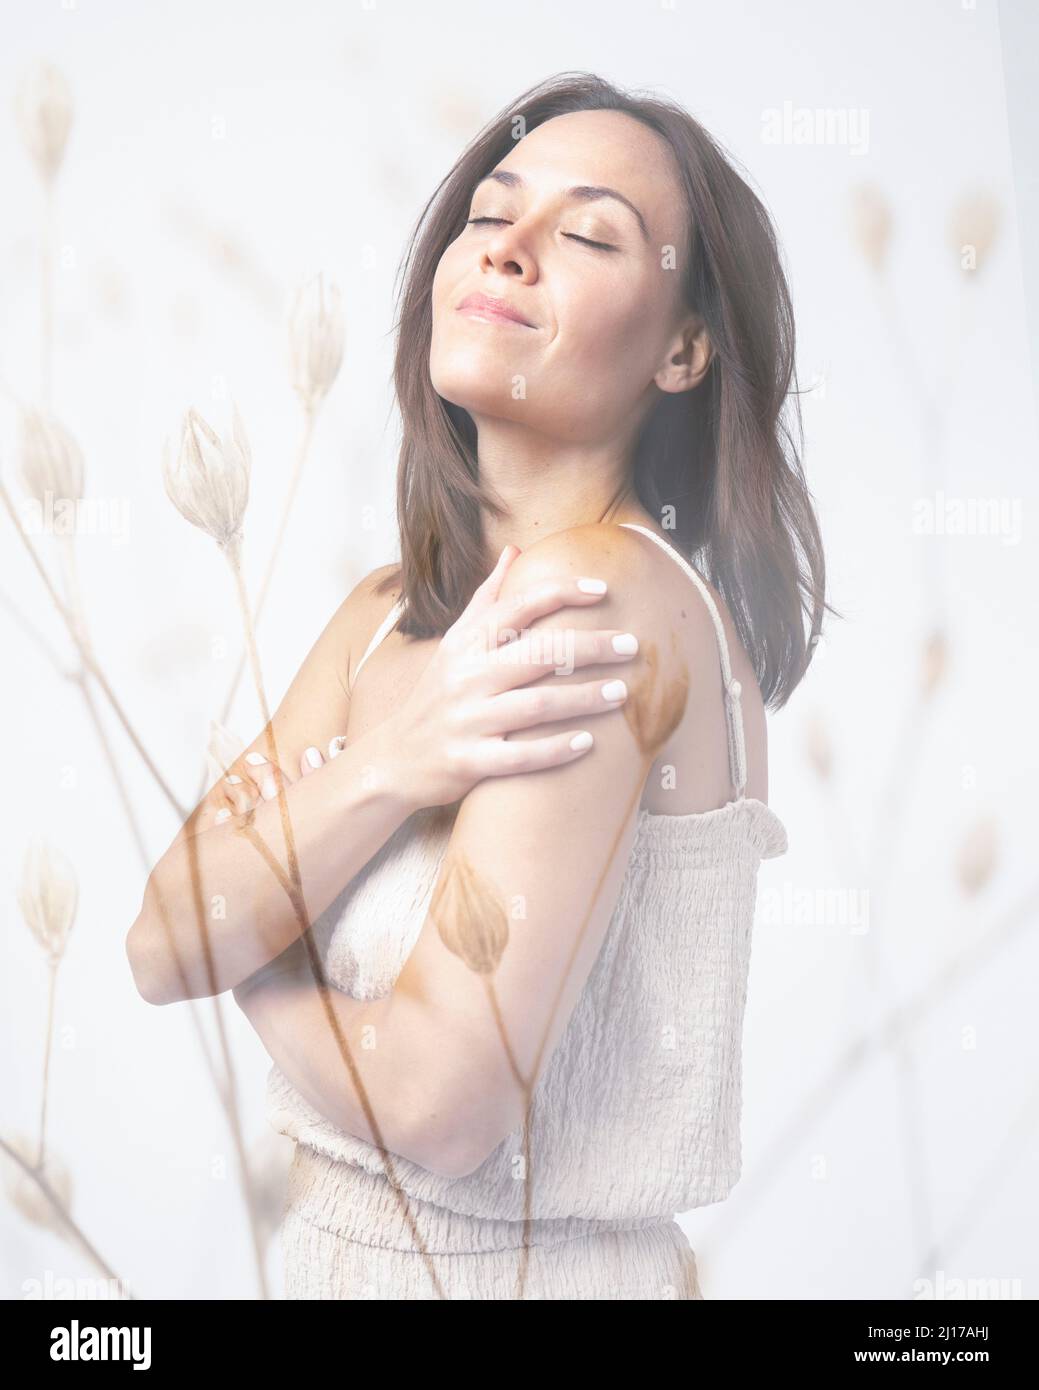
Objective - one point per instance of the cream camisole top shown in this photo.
(638, 1111)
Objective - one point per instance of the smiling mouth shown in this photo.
(488, 310)
(490, 316)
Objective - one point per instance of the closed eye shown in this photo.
(502, 221)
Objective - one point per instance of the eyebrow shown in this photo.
(583, 192)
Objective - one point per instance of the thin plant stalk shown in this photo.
(47, 294)
(76, 630)
(62, 1212)
(309, 414)
(47, 1047)
(89, 660)
(528, 1085)
(295, 893)
(900, 1020)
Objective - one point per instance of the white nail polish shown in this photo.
(579, 741)
(592, 586)
(625, 644)
(257, 759)
(222, 815)
(313, 757)
(337, 745)
(233, 778)
(268, 787)
(614, 690)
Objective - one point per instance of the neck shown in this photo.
(547, 485)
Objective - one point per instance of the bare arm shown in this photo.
(457, 1022)
(367, 1078)
(223, 901)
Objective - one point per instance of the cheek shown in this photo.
(612, 319)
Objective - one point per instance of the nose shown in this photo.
(508, 252)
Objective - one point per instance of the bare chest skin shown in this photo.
(388, 677)
(689, 774)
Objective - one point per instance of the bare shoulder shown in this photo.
(647, 591)
(652, 595)
(363, 610)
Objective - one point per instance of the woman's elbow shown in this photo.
(151, 981)
(151, 949)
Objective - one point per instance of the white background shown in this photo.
(309, 136)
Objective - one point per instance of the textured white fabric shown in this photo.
(348, 1234)
(637, 1115)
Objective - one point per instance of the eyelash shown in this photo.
(586, 241)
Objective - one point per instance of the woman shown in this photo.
(529, 1059)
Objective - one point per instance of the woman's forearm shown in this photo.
(217, 905)
(326, 1042)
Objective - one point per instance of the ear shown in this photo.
(689, 356)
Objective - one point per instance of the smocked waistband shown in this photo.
(347, 1200)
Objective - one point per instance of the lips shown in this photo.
(487, 306)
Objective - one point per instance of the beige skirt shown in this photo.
(346, 1234)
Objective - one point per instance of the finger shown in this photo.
(549, 704)
(240, 794)
(545, 596)
(487, 593)
(555, 651)
(310, 761)
(502, 758)
(266, 776)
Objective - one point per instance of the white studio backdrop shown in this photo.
(220, 151)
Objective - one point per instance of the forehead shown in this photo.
(602, 147)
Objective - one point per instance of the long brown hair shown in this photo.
(720, 464)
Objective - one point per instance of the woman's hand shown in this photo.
(450, 731)
(258, 780)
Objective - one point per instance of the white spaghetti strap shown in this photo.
(731, 688)
(380, 632)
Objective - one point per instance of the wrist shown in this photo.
(385, 769)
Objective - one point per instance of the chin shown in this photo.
(480, 382)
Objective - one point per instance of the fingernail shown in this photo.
(313, 757)
(580, 741)
(222, 815)
(592, 586)
(268, 787)
(233, 778)
(614, 690)
(257, 759)
(626, 644)
(337, 745)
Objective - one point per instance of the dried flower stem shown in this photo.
(17, 617)
(47, 1045)
(88, 659)
(294, 890)
(900, 1021)
(302, 453)
(83, 685)
(47, 294)
(62, 1212)
(77, 633)
(529, 1085)
(230, 1093)
(987, 1186)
